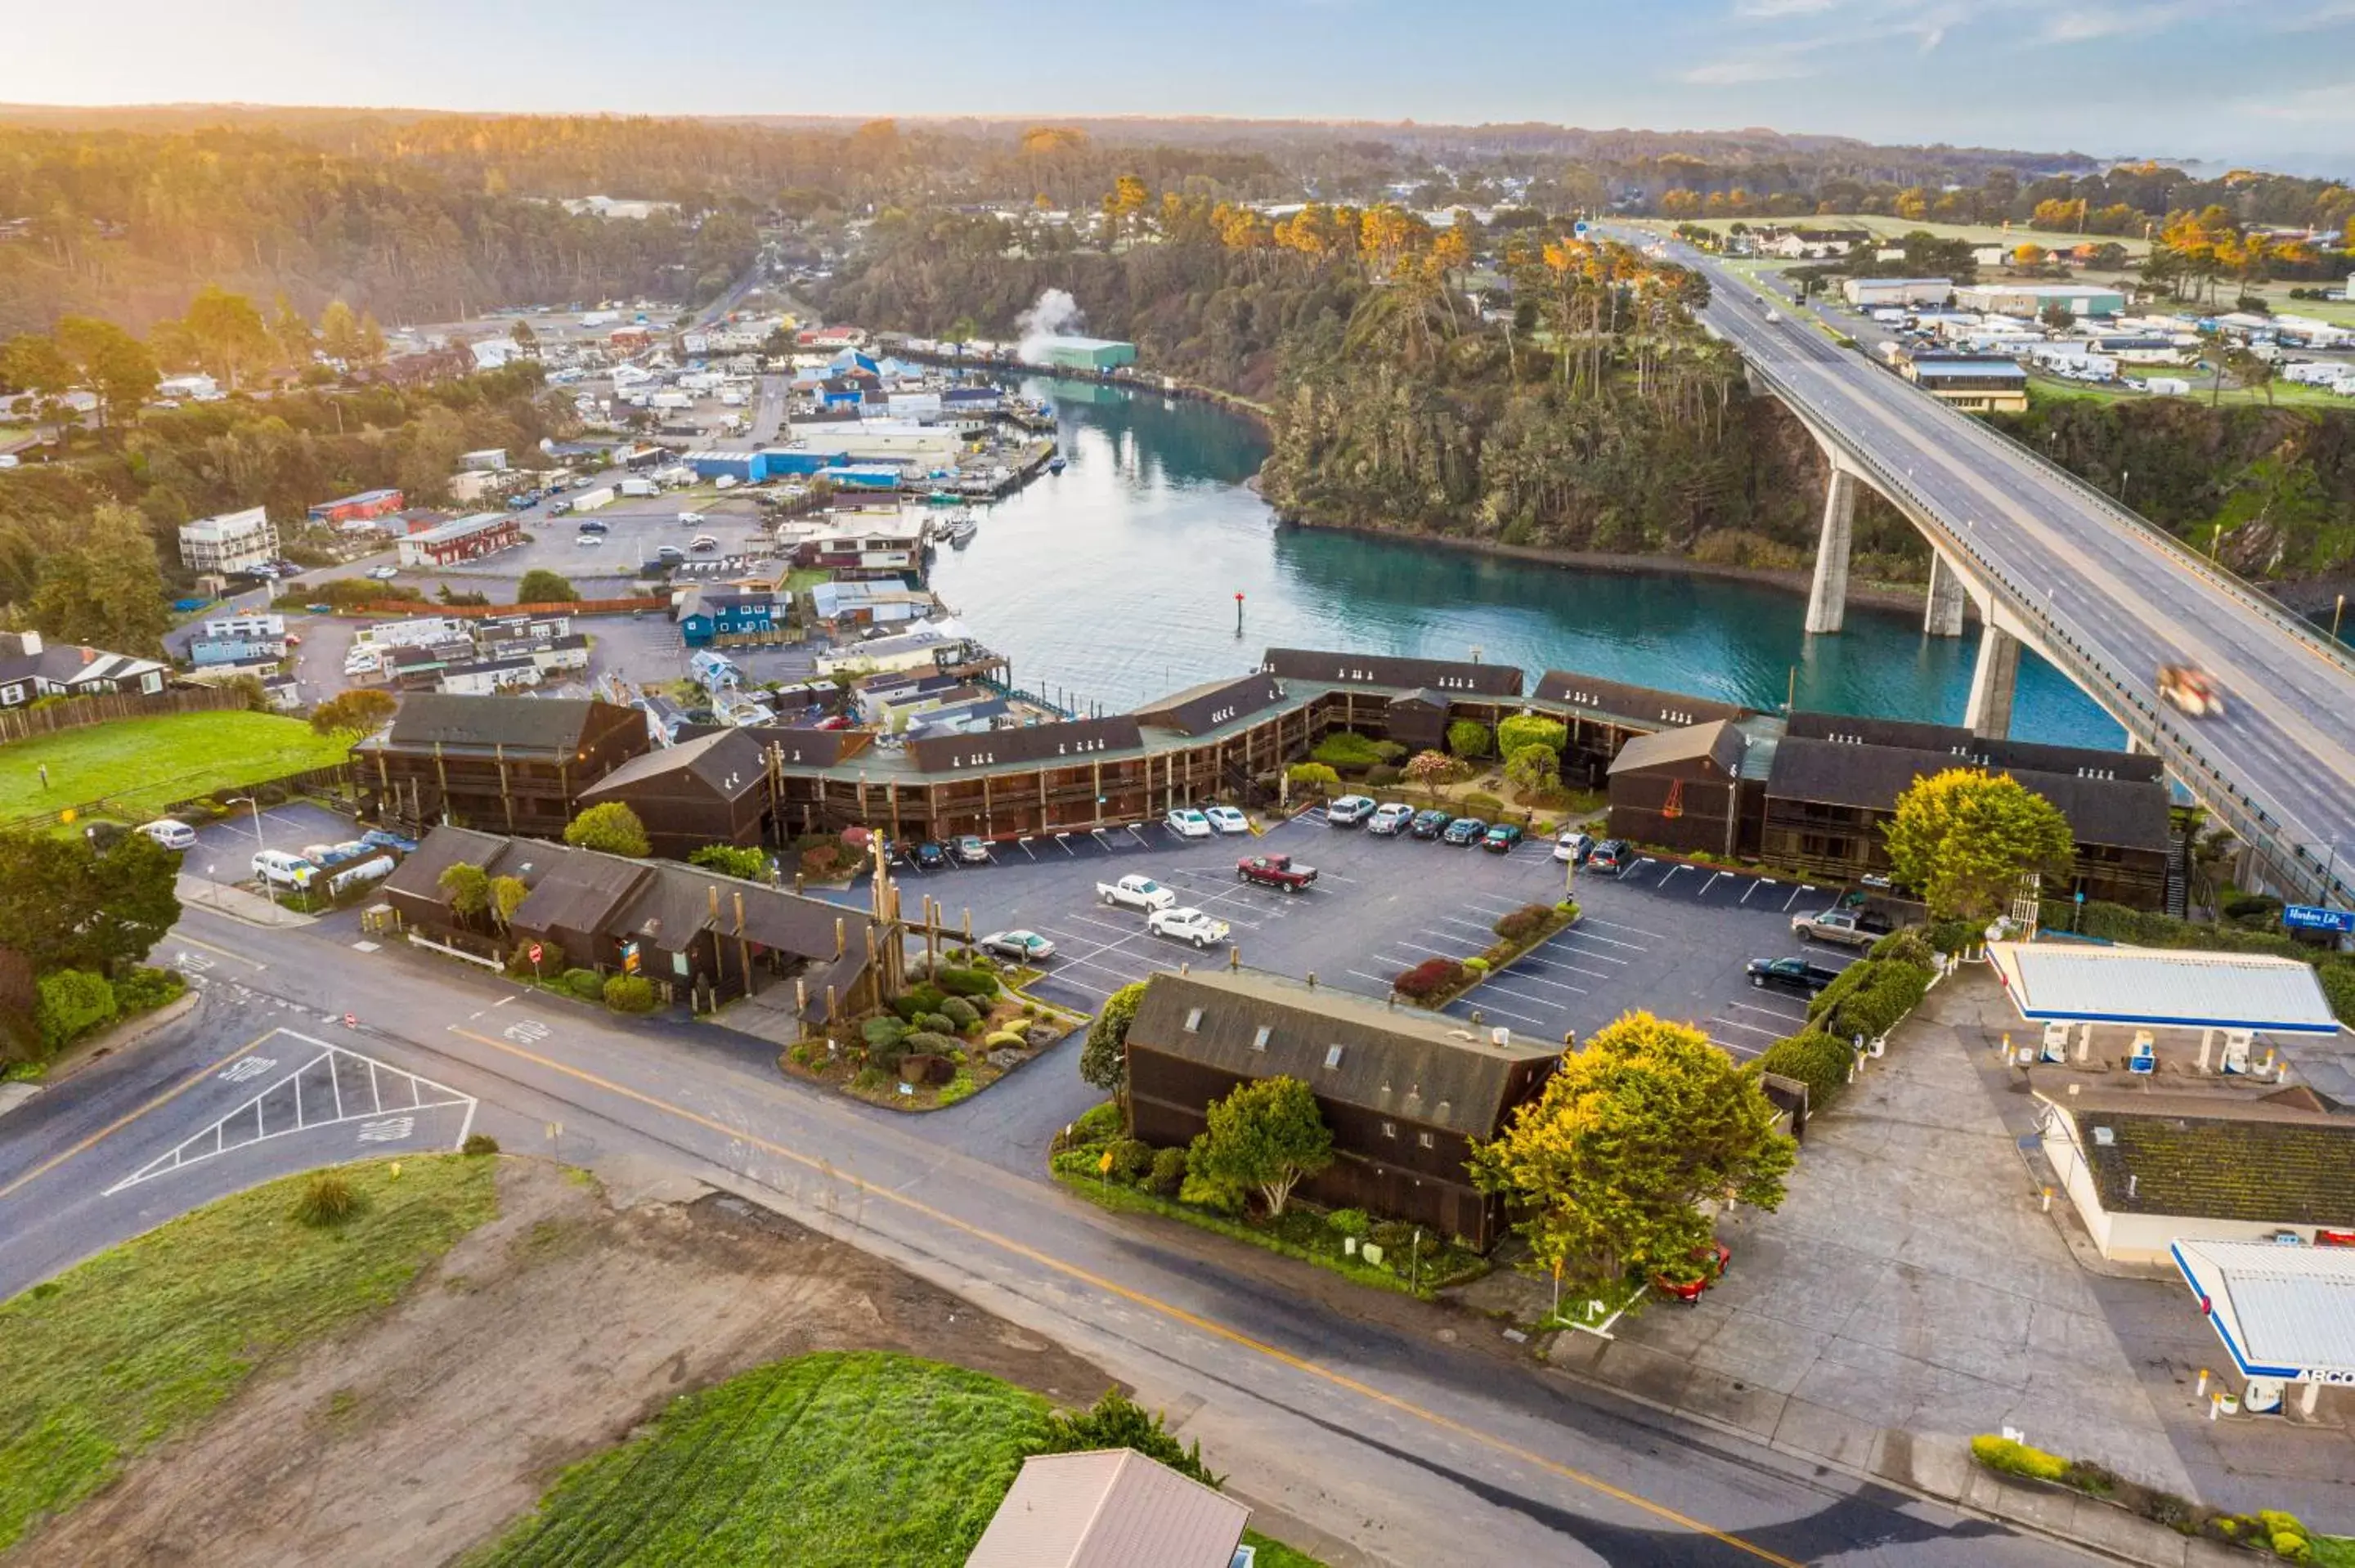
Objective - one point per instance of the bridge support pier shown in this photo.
(1993, 681)
(1943, 617)
(1828, 598)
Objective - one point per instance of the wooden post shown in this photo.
(507, 800)
(1097, 814)
(743, 946)
(987, 831)
(841, 937)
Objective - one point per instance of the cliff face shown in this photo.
(2270, 489)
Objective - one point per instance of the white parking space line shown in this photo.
(1771, 1013)
(1561, 944)
(1467, 925)
(1531, 962)
(1803, 887)
(1733, 1050)
(1473, 1004)
(1375, 980)
(1515, 977)
(1620, 926)
(1101, 924)
(1579, 932)
(1747, 1027)
(1439, 936)
(1067, 984)
(1489, 904)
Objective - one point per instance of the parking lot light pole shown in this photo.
(260, 843)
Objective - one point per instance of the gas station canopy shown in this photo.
(2283, 1311)
(2072, 982)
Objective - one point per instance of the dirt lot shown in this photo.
(540, 1339)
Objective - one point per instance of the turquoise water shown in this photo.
(1115, 582)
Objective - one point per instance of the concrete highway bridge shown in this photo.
(2052, 564)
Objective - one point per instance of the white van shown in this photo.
(284, 869)
(171, 834)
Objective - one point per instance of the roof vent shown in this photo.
(1500, 1036)
(2105, 1136)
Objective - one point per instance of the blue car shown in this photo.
(1464, 831)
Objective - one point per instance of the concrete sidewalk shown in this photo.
(253, 908)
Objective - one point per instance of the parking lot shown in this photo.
(1669, 939)
(637, 527)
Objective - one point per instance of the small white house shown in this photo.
(2167, 385)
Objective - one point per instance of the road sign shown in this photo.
(1579, 228)
(350, 1022)
(2313, 917)
(534, 952)
(630, 956)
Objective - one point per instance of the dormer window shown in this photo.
(1193, 1021)
(1258, 1037)
(1332, 1056)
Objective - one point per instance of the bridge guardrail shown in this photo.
(2244, 814)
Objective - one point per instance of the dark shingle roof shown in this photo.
(420, 876)
(2121, 813)
(1718, 740)
(1417, 1065)
(1074, 741)
(1457, 678)
(578, 890)
(1197, 710)
(2203, 1159)
(727, 762)
(521, 725)
(1618, 699)
(1977, 750)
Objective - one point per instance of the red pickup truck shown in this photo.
(1274, 870)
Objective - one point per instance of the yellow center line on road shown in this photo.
(111, 1128)
(1151, 1303)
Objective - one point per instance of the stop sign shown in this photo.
(534, 952)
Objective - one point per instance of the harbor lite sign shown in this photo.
(2313, 917)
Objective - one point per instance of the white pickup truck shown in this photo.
(1187, 926)
(1849, 927)
(1136, 893)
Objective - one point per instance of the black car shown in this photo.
(1608, 858)
(1791, 974)
(1464, 831)
(931, 856)
(1429, 824)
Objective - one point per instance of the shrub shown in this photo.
(584, 984)
(1314, 777)
(1475, 965)
(144, 988)
(935, 1024)
(1910, 946)
(2275, 1521)
(1393, 1234)
(965, 983)
(962, 1086)
(1818, 1060)
(1118, 1421)
(1168, 1171)
(1892, 990)
(1467, 739)
(929, 1043)
(1347, 751)
(1097, 1123)
(69, 1004)
(1523, 730)
(1483, 805)
(887, 1055)
(961, 1012)
(879, 1031)
(730, 859)
(609, 827)
(479, 1143)
(1130, 1158)
(1349, 1222)
(1381, 775)
(1567, 909)
(630, 993)
(1523, 923)
(327, 1200)
(917, 1000)
(1003, 1040)
(866, 1080)
(2012, 1458)
(2292, 1548)
(1429, 977)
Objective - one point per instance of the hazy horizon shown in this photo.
(2212, 80)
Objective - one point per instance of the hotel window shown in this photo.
(1193, 1021)
(1424, 1139)
(1389, 1129)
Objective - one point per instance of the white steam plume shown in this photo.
(1056, 314)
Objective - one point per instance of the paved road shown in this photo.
(2129, 601)
(1389, 1428)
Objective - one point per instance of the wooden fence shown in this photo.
(23, 724)
(407, 608)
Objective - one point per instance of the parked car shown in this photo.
(703, 543)
(931, 856)
(1464, 831)
(1710, 1264)
(1022, 946)
(171, 833)
(1791, 974)
(1610, 857)
(1227, 820)
(1274, 870)
(377, 838)
(384, 574)
(1349, 811)
(690, 519)
(284, 870)
(585, 537)
(1574, 846)
(1389, 820)
(1187, 926)
(595, 525)
(1430, 822)
(671, 553)
(1136, 893)
(1849, 927)
(559, 509)
(1501, 837)
(1187, 822)
(971, 850)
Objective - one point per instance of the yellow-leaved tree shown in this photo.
(1962, 839)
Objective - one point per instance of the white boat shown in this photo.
(962, 531)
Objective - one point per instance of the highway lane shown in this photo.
(2128, 599)
(1412, 1444)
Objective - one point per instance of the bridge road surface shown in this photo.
(1370, 1428)
(2288, 739)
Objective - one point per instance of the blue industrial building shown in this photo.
(783, 463)
(705, 613)
(748, 468)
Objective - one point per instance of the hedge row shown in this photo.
(2116, 923)
(1872, 997)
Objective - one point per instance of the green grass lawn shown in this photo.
(139, 765)
(140, 1342)
(843, 1458)
(1897, 227)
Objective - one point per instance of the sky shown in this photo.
(2260, 81)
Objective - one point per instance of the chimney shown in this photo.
(89, 656)
(29, 642)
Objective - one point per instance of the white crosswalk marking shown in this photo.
(333, 1086)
